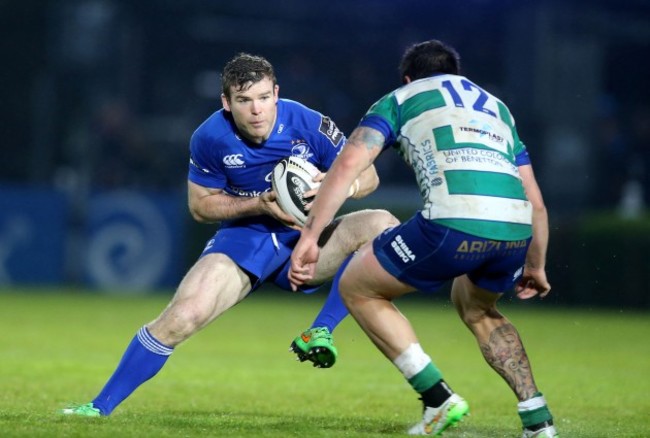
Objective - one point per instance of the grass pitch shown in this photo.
(237, 379)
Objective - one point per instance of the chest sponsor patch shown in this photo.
(328, 129)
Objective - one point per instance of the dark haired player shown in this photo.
(483, 225)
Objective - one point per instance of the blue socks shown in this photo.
(142, 360)
(333, 310)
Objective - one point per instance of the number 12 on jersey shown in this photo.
(469, 90)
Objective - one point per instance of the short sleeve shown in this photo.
(203, 168)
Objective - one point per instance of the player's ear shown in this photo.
(406, 79)
(276, 92)
(225, 103)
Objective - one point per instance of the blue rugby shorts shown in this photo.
(426, 255)
(265, 256)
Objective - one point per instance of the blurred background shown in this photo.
(100, 97)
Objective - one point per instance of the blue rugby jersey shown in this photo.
(222, 159)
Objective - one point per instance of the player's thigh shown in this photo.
(364, 276)
(214, 284)
(345, 235)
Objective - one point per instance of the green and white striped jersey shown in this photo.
(462, 143)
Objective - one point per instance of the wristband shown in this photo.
(354, 188)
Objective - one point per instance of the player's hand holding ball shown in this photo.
(295, 182)
(273, 209)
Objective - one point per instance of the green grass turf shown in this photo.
(236, 377)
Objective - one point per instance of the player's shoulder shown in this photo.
(297, 113)
(308, 122)
(217, 126)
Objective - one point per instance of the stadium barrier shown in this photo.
(121, 241)
(135, 242)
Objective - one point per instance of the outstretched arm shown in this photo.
(362, 148)
(534, 279)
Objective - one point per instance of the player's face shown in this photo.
(254, 109)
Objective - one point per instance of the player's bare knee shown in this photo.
(352, 297)
(351, 231)
(346, 296)
(381, 220)
(373, 222)
(353, 291)
(178, 322)
(347, 289)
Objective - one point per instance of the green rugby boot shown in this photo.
(87, 410)
(436, 420)
(315, 345)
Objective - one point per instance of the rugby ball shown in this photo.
(291, 178)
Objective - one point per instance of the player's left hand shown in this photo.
(532, 282)
(303, 262)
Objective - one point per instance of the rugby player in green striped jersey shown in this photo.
(483, 225)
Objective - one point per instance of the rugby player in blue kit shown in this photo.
(232, 154)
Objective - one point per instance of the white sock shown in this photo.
(531, 404)
(412, 360)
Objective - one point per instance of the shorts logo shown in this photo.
(484, 246)
(402, 250)
(233, 160)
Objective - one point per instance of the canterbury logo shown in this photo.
(233, 160)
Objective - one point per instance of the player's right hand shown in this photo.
(271, 208)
